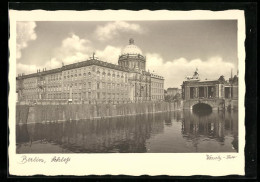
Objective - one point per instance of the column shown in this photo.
(187, 93)
(216, 91)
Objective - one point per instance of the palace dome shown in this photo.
(132, 48)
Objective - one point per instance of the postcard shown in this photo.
(115, 92)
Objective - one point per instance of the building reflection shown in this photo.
(122, 134)
(213, 126)
(130, 134)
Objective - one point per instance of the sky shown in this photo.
(173, 48)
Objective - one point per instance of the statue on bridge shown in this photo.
(195, 76)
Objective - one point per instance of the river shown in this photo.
(170, 132)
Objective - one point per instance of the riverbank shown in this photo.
(43, 113)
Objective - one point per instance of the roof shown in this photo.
(196, 82)
(78, 65)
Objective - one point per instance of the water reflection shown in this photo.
(164, 132)
(216, 126)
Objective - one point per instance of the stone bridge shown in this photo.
(214, 103)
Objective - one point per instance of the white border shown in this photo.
(183, 164)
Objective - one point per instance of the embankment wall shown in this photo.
(41, 113)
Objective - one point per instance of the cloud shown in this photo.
(74, 43)
(75, 49)
(175, 71)
(72, 49)
(26, 68)
(25, 32)
(32, 68)
(109, 54)
(113, 29)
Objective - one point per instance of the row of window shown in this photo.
(31, 96)
(30, 81)
(157, 97)
(72, 78)
(80, 86)
(87, 95)
(79, 71)
(156, 84)
(157, 90)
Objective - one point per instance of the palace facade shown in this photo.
(94, 81)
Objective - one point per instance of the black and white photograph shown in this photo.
(128, 85)
(123, 86)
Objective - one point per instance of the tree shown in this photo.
(177, 96)
(235, 79)
(167, 98)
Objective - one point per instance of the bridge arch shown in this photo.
(201, 106)
(215, 104)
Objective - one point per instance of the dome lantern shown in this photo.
(131, 49)
(131, 41)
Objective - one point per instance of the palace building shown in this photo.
(94, 81)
